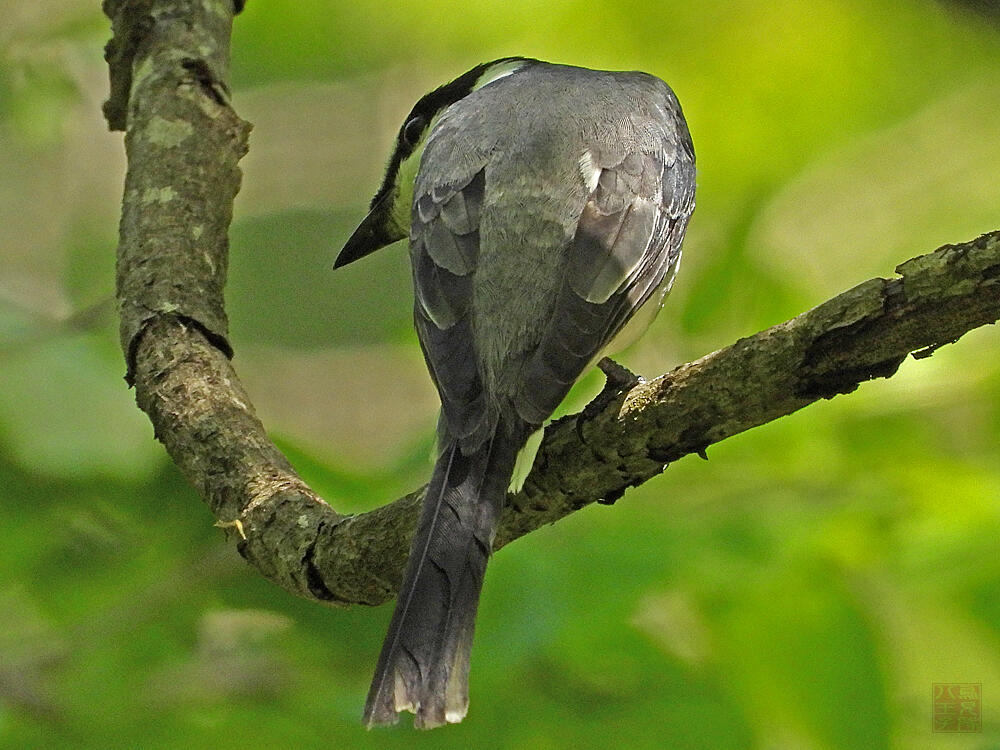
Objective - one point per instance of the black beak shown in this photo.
(373, 233)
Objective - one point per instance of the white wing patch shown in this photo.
(590, 172)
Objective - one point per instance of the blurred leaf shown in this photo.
(802, 621)
(861, 210)
(66, 411)
(37, 105)
(283, 288)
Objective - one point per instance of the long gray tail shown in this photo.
(424, 664)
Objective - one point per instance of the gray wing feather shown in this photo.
(444, 249)
(627, 241)
(453, 242)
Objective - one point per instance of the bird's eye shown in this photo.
(413, 129)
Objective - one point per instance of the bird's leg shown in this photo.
(618, 379)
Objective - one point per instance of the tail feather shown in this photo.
(424, 664)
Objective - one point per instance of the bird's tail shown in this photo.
(424, 664)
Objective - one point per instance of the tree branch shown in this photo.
(168, 61)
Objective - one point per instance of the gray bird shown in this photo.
(545, 205)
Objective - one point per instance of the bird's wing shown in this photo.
(626, 244)
(444, 250)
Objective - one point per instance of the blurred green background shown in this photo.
(800, 591)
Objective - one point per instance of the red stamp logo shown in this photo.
(957, 707)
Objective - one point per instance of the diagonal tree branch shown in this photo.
(168, 64)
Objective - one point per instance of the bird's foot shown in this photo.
(618, 377)
(618, 380)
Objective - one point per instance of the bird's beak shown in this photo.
(377, 230)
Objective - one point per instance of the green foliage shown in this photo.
(802, 589)
(268, 306)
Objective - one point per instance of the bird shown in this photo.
(545, 206)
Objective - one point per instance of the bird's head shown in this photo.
(388, 218)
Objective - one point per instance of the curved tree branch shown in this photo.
(168, 61)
